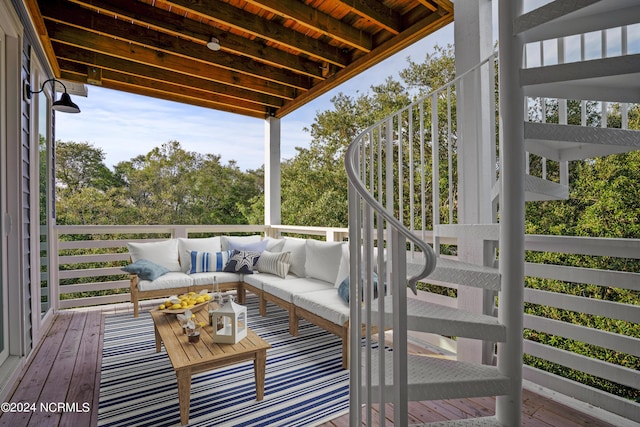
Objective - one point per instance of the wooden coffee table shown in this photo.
(188, 359)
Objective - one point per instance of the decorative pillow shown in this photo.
(250, 246)
(164, 253)
(275, 263)
(242, 262)
(322, 260)
(297, 260)
(206, 244)
(202, 262)
(146, 270)
(343, 289)
(275, 245)
(226, 241)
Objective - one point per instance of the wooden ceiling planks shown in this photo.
(275, 56)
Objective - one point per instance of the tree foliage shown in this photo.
(170, 185)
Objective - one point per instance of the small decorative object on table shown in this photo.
(193, 332)
(230, 323)
(215, 302)
(184, 319)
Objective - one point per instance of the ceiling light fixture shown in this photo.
(214, 44)
(64, 104)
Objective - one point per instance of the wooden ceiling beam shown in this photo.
(120, 49)
(429, 5)
(80, 17)
(164, 90)
(138, 90)
(179, 26)
(377, 12)
(168, 90)
(227, 15)
(417, 31)
(317, 21)
(68, 55)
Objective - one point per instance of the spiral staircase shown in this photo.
(389, 248)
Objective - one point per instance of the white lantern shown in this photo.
(229, 323)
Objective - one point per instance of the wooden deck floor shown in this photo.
(66, 369)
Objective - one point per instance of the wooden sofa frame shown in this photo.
(137, 294)
(295, 313)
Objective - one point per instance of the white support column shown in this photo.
(512, 211)
(473, 34)
(272, 212)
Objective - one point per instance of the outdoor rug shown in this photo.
(305, 384)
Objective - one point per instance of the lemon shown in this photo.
(162, 307)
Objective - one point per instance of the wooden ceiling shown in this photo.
(275, 56)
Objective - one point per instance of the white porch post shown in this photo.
(272, 213)
(473, 35)
(512, 212)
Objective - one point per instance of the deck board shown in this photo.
(66, 368)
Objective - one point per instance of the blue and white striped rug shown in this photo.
(305, 384)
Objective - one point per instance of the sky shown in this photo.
(125, 125)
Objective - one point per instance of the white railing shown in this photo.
(86, 261)
(95, 258)
(378, 269)
(612, 42)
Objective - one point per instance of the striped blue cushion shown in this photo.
(202, 262)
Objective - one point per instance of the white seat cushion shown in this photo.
(326, 304)
(221, 277)
(173, 279)
(286, 288)
(255, 279)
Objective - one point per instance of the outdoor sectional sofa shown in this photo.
(301, 276)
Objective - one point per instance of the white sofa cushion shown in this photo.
(173, 279)
(285, 289)
(324, 303)
(274, 245)
(322, 260)
(185, 246)
(298, 254)
(258, 280)
(221, 277)
(164, 253)
(343, 270)
(227, 241)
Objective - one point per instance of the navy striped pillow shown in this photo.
(203, 262)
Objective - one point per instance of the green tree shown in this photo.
(80, 165)
(170, 185)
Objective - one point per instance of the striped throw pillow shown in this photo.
(202, 262)
(275, 263)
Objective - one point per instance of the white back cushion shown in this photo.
(185, 246)
(225, 241)
(163, 253)
(322, 260)
(298, 255)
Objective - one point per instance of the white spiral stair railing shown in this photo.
(394, 164)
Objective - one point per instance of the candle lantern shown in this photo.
(229, 323)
